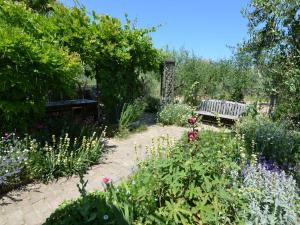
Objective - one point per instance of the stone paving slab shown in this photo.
(35, 202)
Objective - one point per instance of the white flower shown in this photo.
(105, 217)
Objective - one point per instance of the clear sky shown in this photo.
(205, 27)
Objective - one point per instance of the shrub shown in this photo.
(63, 156)
(273, 140)
(153, 104)
(91, 209)
(271, 196)
(13, 156)
(186, 183)
(175, 114)
(31, 66)
(130, 113)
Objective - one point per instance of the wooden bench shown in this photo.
(75, 106)
(223, 109)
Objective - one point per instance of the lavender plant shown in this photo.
(271, 195)
(13, 156)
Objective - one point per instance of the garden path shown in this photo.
(34, 203)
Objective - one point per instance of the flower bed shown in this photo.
(205, 178)
(25, 159)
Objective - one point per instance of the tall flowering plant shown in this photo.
(193, 132)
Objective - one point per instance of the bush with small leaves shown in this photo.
(271, 196)
(175, 114)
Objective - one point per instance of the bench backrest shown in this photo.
(222, 107)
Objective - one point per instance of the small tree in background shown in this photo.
(274, 44)
(228, 79)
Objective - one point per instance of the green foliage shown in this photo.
(13, 159)
(274, 141)
(175, 114)
(151, 91)
(198, 78)
(41, 6)
(82, 184)
(152, 104)
(186, 183)
(63, 156)
(275, 47)
(113, 53)
(62, 125)
(91, 209)
(42, 53)
(30, 67)
(130, 113)
(271, 196)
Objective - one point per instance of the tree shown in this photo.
(113, 53)
(30, 66)
(274, 43)
(227, 79)
(42, 6)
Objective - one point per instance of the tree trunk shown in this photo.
(272, 105)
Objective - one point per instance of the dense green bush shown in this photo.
(45, 53)
(90, 209)
(273, 140)
(185, 185)
(175, 114)
(25, 83)
(152, 104)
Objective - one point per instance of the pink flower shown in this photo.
(192, 120)
(106, 180)
(7, 136)
(192, 135)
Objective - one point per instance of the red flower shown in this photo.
(192, 120)
(192, 135)
(106, 180)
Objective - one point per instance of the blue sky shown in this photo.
(204, 27)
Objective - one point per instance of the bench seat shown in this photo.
(224, 109)
(215, 114)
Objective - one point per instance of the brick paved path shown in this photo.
(33, 204)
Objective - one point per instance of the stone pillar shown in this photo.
(167, 82)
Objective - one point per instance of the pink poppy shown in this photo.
(106, 180)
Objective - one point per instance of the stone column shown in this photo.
(167, 82)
